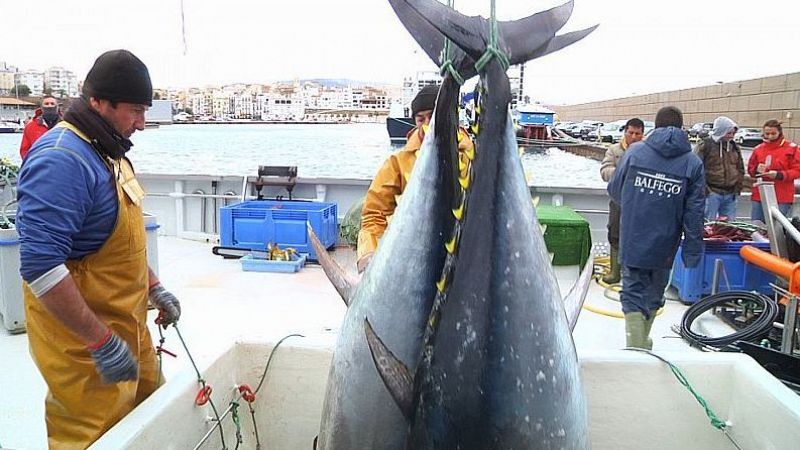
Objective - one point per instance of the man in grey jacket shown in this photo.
(634, 132)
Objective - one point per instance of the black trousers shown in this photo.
(613, 224)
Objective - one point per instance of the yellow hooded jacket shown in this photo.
(390, 182)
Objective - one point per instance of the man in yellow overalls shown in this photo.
(82, 250)
(392, 178)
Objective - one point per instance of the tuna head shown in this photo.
(497, 367)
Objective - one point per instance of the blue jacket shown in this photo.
(660, 186)
(67, 202)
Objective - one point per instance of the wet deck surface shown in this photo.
(222, 304)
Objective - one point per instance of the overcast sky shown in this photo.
(642, 46)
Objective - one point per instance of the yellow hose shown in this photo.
(601, 267)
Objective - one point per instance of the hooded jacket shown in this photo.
(33, 131)
(780, 156)
(660, 187)
(724, 166)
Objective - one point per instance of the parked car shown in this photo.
(649, 126)
(574, 130)
(591, 133)
(612, 132)
(182, 117)
(748, 137)
(700, 130)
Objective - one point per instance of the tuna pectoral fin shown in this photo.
(573, 302)
(344, 283)
(393, 372)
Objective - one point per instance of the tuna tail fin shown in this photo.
(521, 40)
(562, 41)
(432, 40)
(573, 301)
(395, 375)
(344, 283)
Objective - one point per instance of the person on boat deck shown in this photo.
(724, 170)
(83, 261)
(774, 160)
(391, 179)
(660, 187)
(634, 132)
(43, 120)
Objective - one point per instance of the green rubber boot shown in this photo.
(613, 275)
(648, 325)
(635, 330)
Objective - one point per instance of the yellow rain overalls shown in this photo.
(79, 408)
(390, 183)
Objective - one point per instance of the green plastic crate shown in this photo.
(568, 236)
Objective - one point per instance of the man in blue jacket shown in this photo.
(83, 258)
(660, 187)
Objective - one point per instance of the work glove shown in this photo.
(167, 304)
(114, 360)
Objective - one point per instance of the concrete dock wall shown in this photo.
(749, 103)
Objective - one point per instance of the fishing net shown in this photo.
(351, 224)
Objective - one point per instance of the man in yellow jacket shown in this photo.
(83, 258)
(391, 180)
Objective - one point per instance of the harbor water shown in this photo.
(336, 151)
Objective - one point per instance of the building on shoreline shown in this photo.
(749, 103)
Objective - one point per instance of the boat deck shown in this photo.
(223, 304)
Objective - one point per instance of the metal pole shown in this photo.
(217, 424)
(233, 196)
(244, 188)
(777, 240)
(715, 278)
(790, 321)
(202, 209)
(787, 225)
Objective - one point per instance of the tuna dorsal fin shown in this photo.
(344, 283)
(521, 39)
(573, 301)
(395, 375)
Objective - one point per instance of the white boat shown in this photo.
(232, 320)
(10, 127)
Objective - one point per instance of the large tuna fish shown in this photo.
(397, 291)
(498, 367)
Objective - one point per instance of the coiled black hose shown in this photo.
(753, 332)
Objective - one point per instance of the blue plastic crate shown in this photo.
(695, 283)
(253, 224)
(251, 263)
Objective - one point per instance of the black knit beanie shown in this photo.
(669, 116)
(425, 99)
(119, 76)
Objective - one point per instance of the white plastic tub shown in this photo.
(634, 402)
(151, 227)
(11, 305)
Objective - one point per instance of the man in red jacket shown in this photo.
(774, 160)
(45, 118)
